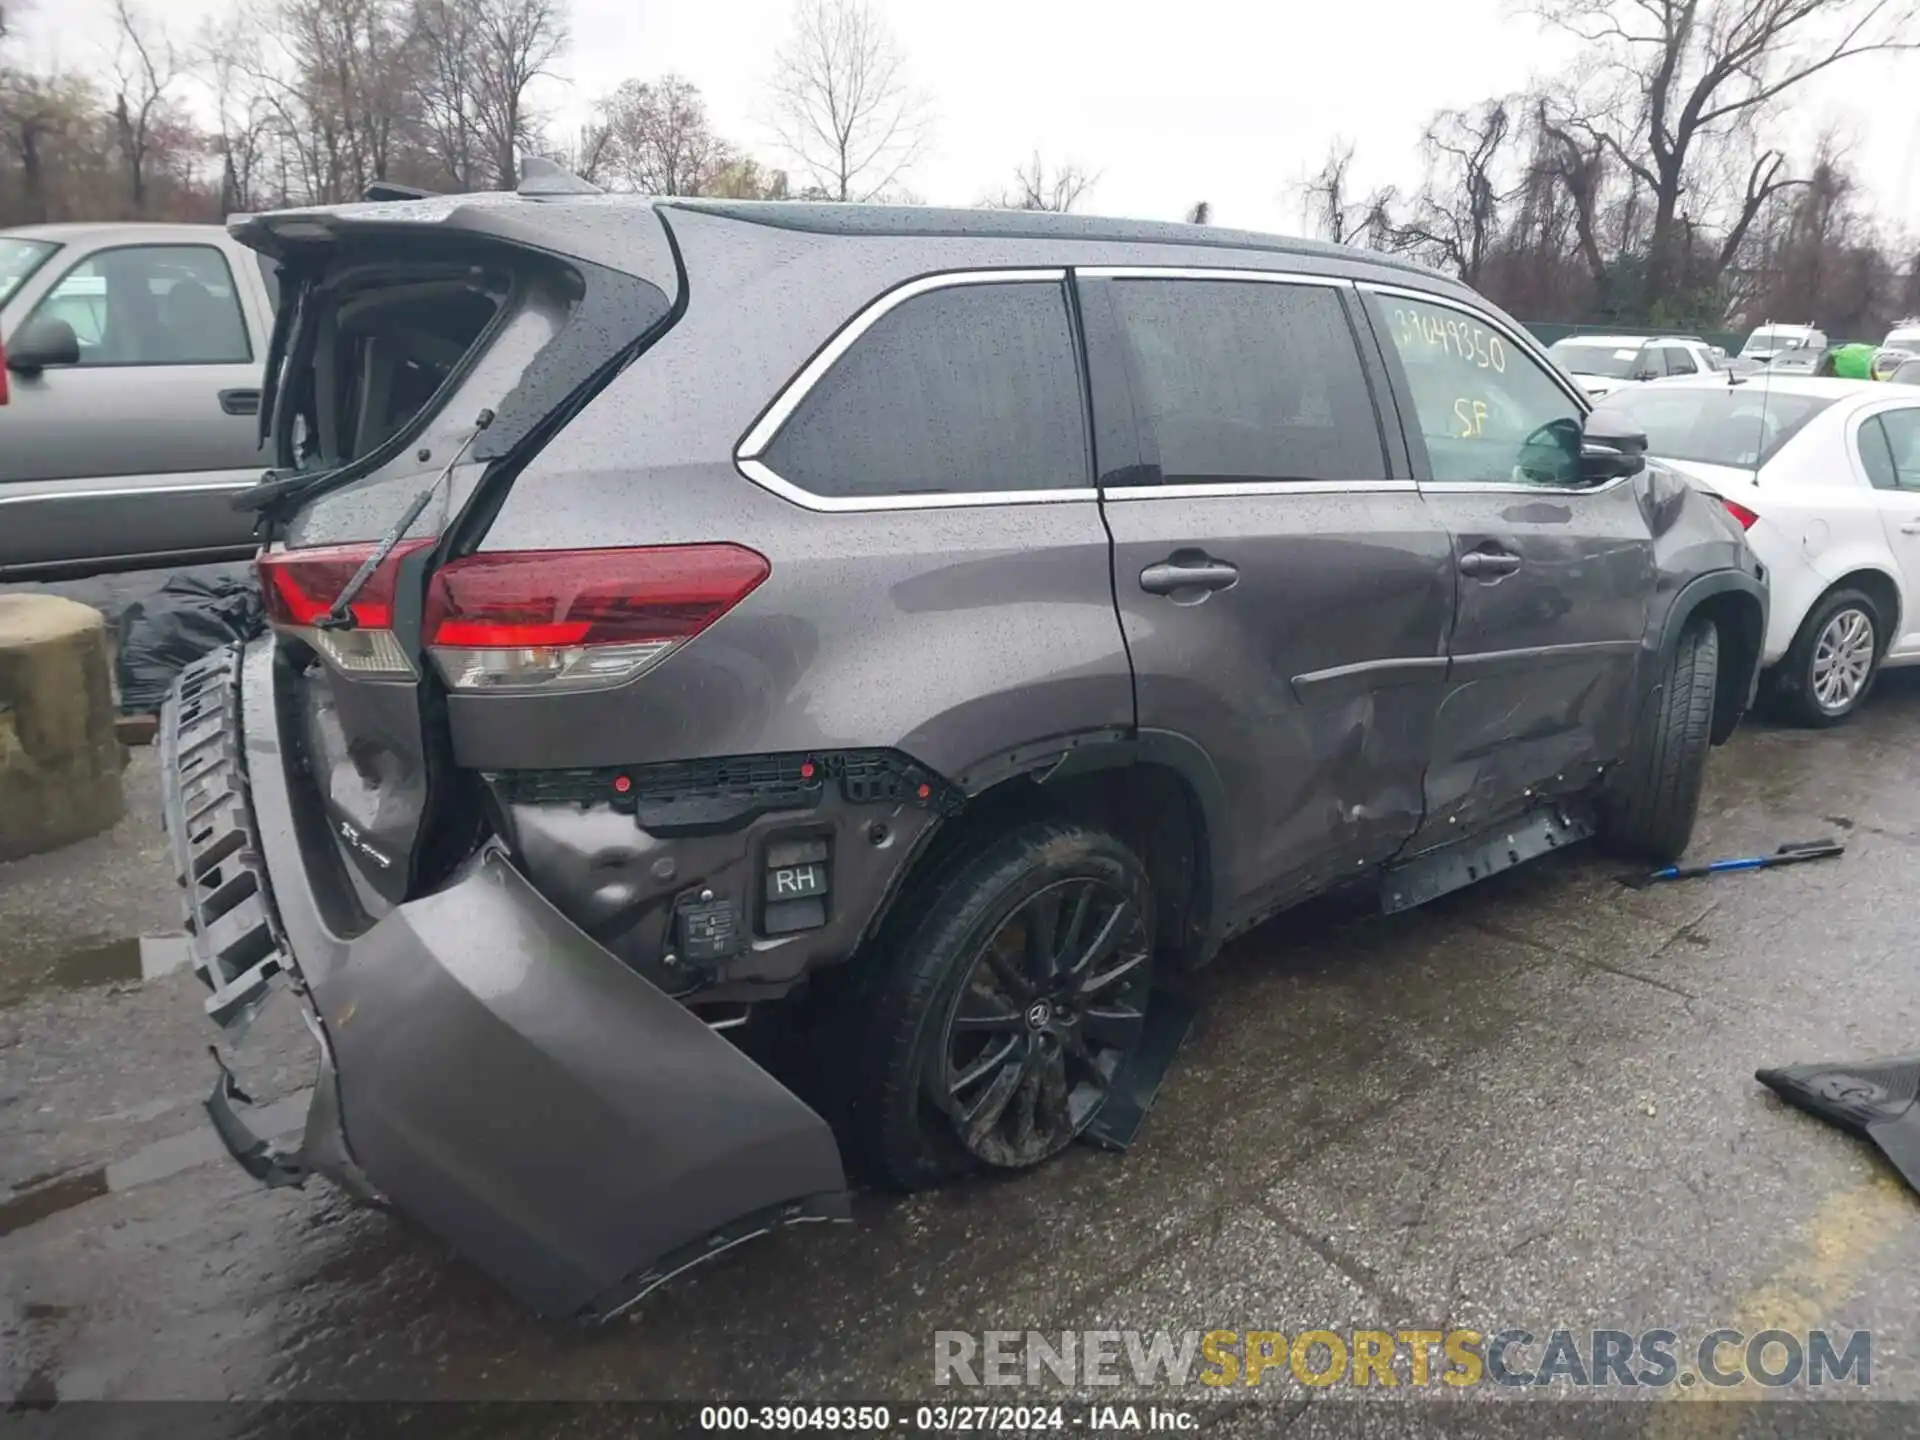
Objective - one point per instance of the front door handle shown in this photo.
(1912, 527)
(1187, 578)
(240, 402)
(1489, 564)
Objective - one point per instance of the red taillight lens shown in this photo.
(300, 586)
(577, 619)
(1739, 512)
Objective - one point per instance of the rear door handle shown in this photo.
(1180, 577)
(240, 402)
(1912, 527)
(1489, 564)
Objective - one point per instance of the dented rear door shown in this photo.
(1285, 593)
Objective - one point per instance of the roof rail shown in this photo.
(541, 176)
(387, 190)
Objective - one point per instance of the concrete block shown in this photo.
(59, 756)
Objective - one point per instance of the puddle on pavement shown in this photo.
(35, 1200)
(99, 963)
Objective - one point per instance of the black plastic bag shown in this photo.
(188, 618)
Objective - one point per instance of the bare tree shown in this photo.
(448, 42)
(516, 40)
(145, 67)
(1330, 208)
(1456, 217)
(1035, 187)
(842, 103)
(660, 140)
(1677, 78)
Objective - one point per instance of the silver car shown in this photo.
(133, 358)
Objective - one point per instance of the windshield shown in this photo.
(1767, 338)
(1741, 425)
(19, 259)
(1615, 362)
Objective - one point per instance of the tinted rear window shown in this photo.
(1743, 425)
(1613, 362)
(1249, 380)
(967, 389)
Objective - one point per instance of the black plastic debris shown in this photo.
(1793, 852)
(1873, 1099)
(188, 617)
(1170, 1017)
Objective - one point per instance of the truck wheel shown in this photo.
(1651, 814)
(1003, 1010)
(1833, 663)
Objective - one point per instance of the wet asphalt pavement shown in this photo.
(1529, 1105)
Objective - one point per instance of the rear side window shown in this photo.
(969, 389)
(1248, 380)
(1890, 448)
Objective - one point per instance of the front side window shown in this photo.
(1248, 380)
(19, 259)
(1890, 449)
(1488, 412)
(1679, 361)
(151, 305)
(963, 390)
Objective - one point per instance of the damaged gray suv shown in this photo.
(763, 692)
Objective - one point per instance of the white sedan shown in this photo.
(1824, 476)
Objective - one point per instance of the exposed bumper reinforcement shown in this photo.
(502, 1078)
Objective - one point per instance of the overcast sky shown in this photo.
(1167, 103)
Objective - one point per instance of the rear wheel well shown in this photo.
(1878, 587)
(1737, 616)
(1149, 807)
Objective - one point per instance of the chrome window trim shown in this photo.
(1230, 488)
(1210, 272)
(747, 455)
(768, 479)
(1514, 487)
(121, 491)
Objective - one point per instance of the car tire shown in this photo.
(935, 990)
(1650, 815)
(1796, 685)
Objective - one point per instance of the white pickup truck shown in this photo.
(1603, 363)
(132, 363)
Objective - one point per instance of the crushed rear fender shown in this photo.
(485, 1066)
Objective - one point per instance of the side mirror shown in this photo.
(40, 343)
(1646, 372)
(1610, 448)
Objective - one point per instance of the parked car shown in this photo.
(134, 355)
(1902, 343)
(1603, 363)
(1825, 476)
(1769, 343)
(891, 638)
(1907, 372)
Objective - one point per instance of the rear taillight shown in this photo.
(578, 619)
(299, 587)
(1740, 513)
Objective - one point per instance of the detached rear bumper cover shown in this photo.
(485, 1065)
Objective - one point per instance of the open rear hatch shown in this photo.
(500, 1074)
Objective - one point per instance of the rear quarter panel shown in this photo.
(951, 633)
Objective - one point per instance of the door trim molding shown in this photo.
(1490, 663)
(1341, 682)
